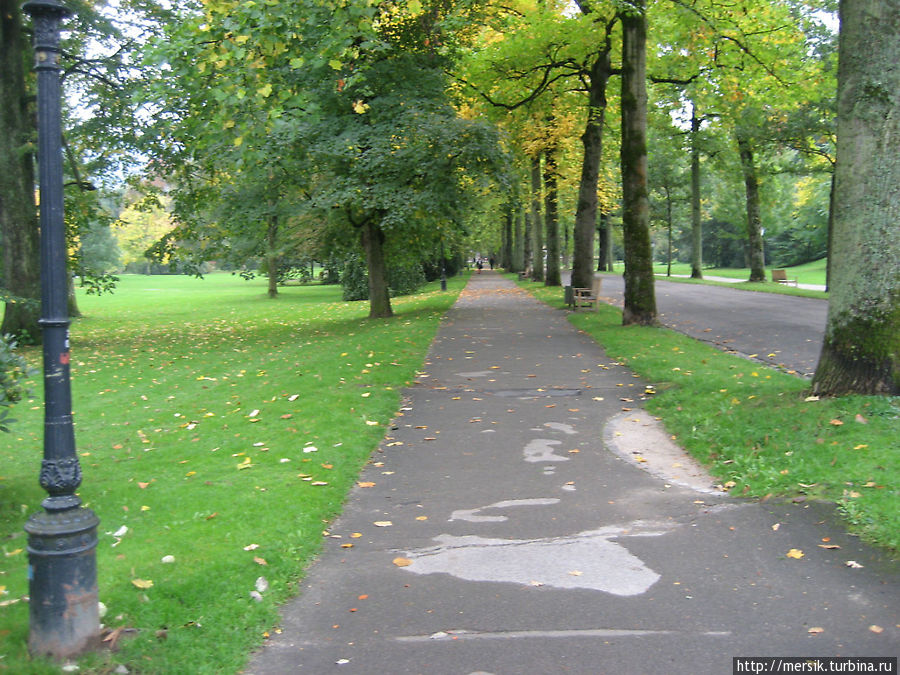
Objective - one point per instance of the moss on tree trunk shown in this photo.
(755, 255)
(861, 351)
(640, 295)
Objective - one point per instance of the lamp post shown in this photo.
(62, 568)
(443, 268)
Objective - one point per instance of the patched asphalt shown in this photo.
(501, 534)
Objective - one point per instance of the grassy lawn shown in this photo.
(219, 432)
(757, 428)
(808, 273)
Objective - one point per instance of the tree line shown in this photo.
(409, 130)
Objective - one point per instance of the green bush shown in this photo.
(13, 372)
(405, 278)
(354, 280)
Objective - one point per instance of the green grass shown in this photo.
(808, 273)
(221, 428)
(756, 428)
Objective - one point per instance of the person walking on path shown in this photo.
(502, 528)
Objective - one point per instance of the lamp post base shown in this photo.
(62, 579)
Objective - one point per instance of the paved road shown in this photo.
(499, 532)
(785, 331)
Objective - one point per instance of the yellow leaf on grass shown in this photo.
(259, 561)
(142, 583)
(795, 553)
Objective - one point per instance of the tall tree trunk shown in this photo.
(379, 295)
(528, 239)
(19, 232)
(640, 296)
(669, 231)
(518, 253)
(604, 255)
(696, 224)
(592, 140)
(537, 254)
(273, 261)
(506, 249)
(861, 351)
(551, 217)
(754, 221)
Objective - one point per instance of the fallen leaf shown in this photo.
(576, 573)
(776, 526)
(382, 523)
(346, 545)
(421, 517)
(853, 564)
(355, 535)
(876, 629)
(862, 420)
(795, 553)
(815, 630)
(402, 562)
(259, 561)
(366, 484)
(142, 583)
(829, 546)
(143, 486)
(836, 423)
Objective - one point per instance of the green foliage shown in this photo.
(405, 278)
(354, 280)
(14, 371)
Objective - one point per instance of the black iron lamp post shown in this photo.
(62, 568)
(443, 269)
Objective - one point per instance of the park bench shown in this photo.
(583, 297)
(780, 277)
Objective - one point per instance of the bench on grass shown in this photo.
(780, 277)
(583, 297)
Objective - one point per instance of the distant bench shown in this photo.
(780, 277)
(583, 297)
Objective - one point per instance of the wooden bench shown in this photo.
(583, 297)
(780, 277)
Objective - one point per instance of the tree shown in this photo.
(861, 351)
(640, 299)
(19, 232)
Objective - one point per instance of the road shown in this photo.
(784, 331)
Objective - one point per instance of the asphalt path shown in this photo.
(499, 529)
(784, 331)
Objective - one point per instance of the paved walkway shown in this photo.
(500, 532)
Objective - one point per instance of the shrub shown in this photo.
(13, 372)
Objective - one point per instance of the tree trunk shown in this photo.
(19, 231)
(861, 351)
(640, 297)
(537, 253)
(273, 261)
(586, 210)
(754, 221)
(551, 217)
(379, 296)
(506, 249)
(696, 224)
(604, 254)
(528, 240)
(517, 258)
